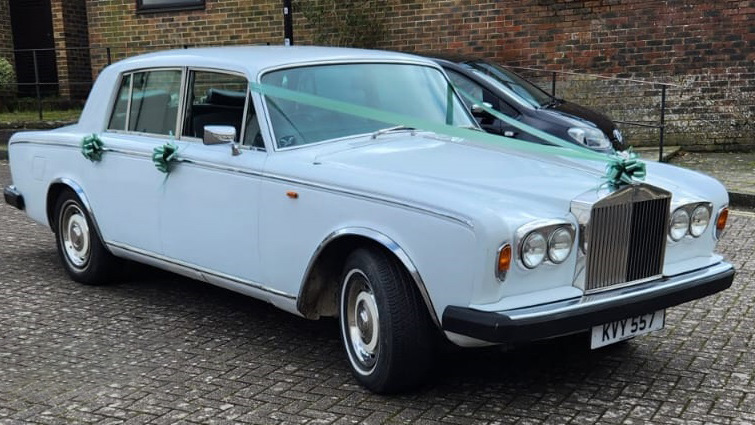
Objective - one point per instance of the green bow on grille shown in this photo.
(92, 147)
(163, 155)
(623, 168)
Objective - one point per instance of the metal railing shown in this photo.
(660, 125)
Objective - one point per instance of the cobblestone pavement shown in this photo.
(158, 348)
(735, 170)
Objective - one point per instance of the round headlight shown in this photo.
(679, 224)
(533, 250)
(699, 221)
(559, 245)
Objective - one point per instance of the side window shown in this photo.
(468, 86)
(154, 102)
(478, 92)
(505, 108)
(214, 99)
(118, 117)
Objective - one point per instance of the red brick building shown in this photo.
(705, 47)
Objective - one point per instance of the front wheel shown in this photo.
(84, 256)
(385, 326)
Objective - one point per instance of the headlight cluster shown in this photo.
(690, 219)
(550, 242)
(592, 138)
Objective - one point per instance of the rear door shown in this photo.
(126, 196)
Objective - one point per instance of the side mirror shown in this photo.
(219, 134)
(478, 112)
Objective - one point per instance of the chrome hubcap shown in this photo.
(74, 232)
(361, 325)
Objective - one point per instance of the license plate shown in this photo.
(620, 330)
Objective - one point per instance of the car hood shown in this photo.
(465, 176)
(570, 109)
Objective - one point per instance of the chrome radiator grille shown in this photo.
(627, 238)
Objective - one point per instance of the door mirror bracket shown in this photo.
(220, 135)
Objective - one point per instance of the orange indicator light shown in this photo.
(504, 260)
(291, 194)
(723, 215)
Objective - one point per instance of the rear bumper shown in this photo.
(13, 197)
(578, 314)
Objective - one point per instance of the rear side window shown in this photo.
(147, 102)
(154, 102)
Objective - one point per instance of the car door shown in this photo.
(209, 214)
(126, 196)
(477, 91)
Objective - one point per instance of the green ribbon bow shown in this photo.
(92, 147)
(624, 168)
(163, 155)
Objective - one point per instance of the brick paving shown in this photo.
(736, 170)
(159, 348)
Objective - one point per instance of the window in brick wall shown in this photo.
(161, 5)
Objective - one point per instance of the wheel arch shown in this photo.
(57, 187)
(319, 291)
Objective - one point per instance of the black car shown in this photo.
(513, 95)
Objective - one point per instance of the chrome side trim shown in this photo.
(55, 144)
(231, 282)
(388, 243)
(437, 212)
(384, 200)
(82, 196)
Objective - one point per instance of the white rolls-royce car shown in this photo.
(290, 174)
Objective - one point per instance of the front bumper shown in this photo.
(578, 314)
(13, 197)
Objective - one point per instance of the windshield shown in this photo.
(410, 90)
(533, 94)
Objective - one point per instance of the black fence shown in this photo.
(42, 85)
(549, 81)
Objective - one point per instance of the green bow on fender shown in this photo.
(623, 168)
(92, 147)
(163, 155)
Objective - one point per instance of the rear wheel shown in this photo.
(385, 326)
(84, 256)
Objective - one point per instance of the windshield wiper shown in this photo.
(389, 129)
(555, 101)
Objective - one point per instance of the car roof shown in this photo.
(252, 60)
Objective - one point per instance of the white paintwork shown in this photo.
(447, 205)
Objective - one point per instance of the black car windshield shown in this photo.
(414, 91)
(528, 91)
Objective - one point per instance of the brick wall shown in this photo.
(707, 47)
(7, 92)
(117, 24)
(69, 20)
(6, 32)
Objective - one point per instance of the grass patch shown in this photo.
(27, 116)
